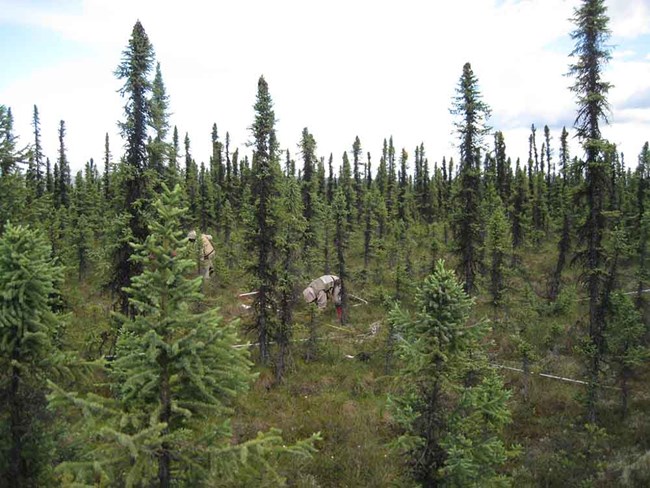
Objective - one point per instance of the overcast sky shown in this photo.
(341, 68)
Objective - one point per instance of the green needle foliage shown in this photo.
(28, 278)
(626, 350)
(452, 406)
(472, 114)
(592, 54)
(175, 378)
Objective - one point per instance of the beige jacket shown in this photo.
(319, 289)
(208, 248)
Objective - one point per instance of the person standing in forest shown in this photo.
(206, 254)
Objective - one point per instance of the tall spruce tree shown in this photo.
(65, 180)
(502, 167)
(391, 179)
(346, 183)
(591, 54)
(358, 181)
(38, 154)
(108, 170)
(191, 184)
(159, 109)
(472, 113)
(341, 236)
(381, 180)
(134, 69)
(402, 186)
(263, 235)
(219, 176)
(309, 186)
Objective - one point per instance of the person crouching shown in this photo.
(319, 290)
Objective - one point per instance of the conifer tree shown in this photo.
(38, 154)
(625, 345)
(321, 179)
(331, 181)
(191, 183)
(519, 208)
(370, 212)
(498, 245)
(205, 199)
(533, 157)
(231, 173)
(8, 156)
(83, 219)
(358, 182)
(564, 154)
(172, 167)
(293, 228)
(62, 199)
(539, 207)
(309, 186)
(49, 183)
(391, 179)
(176, 376)
(340, 214)
(591, 54)
(472, 113)
(106, 182)
(12, 194)
(368, 178)
(452, 405)
(134, 68)
(328, 236)
(565, 206)
(159, 107)
(234, 196)
(346, 183)
(502, 167)
(550, 167)
(381, 180)
(219, 176)
(446, 196)
(263, 235)
(402, 186)
(423, 189)
(28, 355)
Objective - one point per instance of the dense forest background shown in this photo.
(495, 318)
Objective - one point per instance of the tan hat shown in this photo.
(191, 235)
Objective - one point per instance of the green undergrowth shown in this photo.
(343, 392)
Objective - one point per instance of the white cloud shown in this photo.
(629, 18)
(628, 53)
(341, 68)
